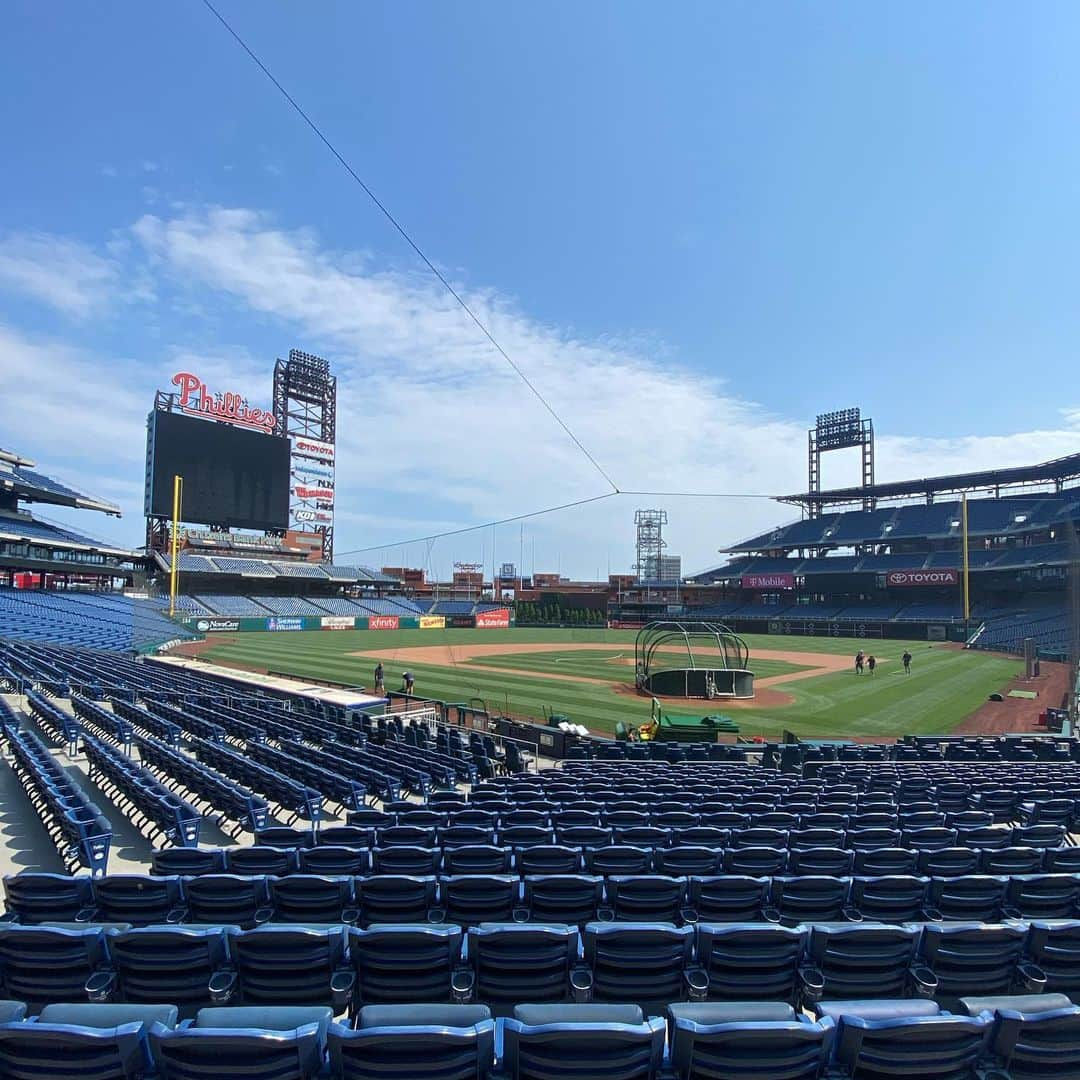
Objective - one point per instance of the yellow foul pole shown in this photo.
(967, 588)
(174, 573)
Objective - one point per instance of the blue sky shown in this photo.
(694, 225)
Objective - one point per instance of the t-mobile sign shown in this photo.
(768, 582)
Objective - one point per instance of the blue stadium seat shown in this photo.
(977, 958)
(727, 898)
(686, 860)
(394, 898)
(574, 899)
(751, 961)
(1043, 896)
(1034, 1035)
(180, 964)
(82, 1042)
(187, 862)
(33, 897)
(138, 899)
(428, 1042)
(1054, 947)
(973, 897)
(863, 961)
(283, 1042)
(746, 1041)
(406, 860)
(646, 898)
(43, 964)
(292, 965)
(582, 1042)
(406, 963)
(311, 898)
(640, 962)
(617, 859)
(917, 1047)
(892, 898)
(821, 861)
(333, 860)
(808, 899)
(547, 859)
(227, 900)
(477, 859)
(514, 963)
(470, 899)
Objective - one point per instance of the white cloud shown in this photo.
(63, 273)
(434, 430)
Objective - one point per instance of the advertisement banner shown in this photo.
(768, 582)
(216, 626)
(493, 620)
(323, 494)
(315, 516)
(461, 621)
(337, 622)
(305, 447)
(310, 472)
(383, 622)
(282, 622)
(907, 578)
(432, 622)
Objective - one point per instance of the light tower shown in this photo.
(650, 543)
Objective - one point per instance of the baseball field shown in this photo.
(804, 684)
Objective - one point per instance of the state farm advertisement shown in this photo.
(907, 578)
(382, 622)
(492, 620)
(337, 622)
(767, 582)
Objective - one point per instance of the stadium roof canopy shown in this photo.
(1057, 472)
(18, 477)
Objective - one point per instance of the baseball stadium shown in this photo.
(278, 806)
(275, 808)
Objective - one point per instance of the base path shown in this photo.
(813, 663)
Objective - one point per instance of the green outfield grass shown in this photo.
(945, 687)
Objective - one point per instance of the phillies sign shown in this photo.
(922, 577)
(766, 582)
(193, 397)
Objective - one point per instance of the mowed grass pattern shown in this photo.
(945, 687)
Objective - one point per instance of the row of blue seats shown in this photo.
(339, 858)
(295, 799)
(470, 899)
(711, 833)
(503, 964)
(150, 804)
(1018, 1037)
(78, 828)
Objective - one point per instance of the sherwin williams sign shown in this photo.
(285, 624)
(432, 622)
(767, 582)
(905, 578)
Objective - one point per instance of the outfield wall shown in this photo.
(222, 624)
